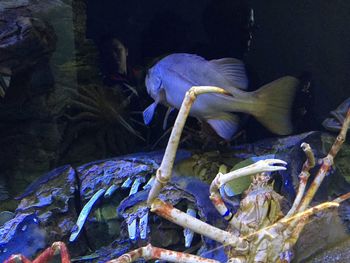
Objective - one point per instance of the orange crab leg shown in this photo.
(180, 218)
(149, 252)
(17, 258)
(216, 198)
(300, 219)
(48, 254)
(55, 249)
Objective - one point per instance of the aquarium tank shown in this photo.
(174, 131)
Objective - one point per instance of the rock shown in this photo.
(24, 41)
(22, 234)
(324, 231)
(340, 253)
(337, 118)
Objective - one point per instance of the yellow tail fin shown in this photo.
(274, 103)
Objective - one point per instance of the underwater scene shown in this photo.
(194, 131)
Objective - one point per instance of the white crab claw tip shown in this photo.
(281, 162)
(187, 232)
(132, 229)
(277, 168)
(135, 186)
(143, 225)
(274, 161)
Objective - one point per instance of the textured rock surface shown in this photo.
(43, 47)
(340, 253)
(57, 197)
(30, 133)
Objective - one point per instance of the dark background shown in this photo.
(306, 39)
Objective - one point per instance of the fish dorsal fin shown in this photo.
(149, 112)
(233, 70)
(225, 125)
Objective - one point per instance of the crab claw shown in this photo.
(267, 165)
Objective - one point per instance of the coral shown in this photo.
(101, 112)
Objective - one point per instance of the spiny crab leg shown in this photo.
(180, 218)
(149, 252)
(57, 248)
(164, 172)
(326, 165)
(295, 221)
(216, 197)
(297, 225)
(17, 259)
(302, 216)
(303, 176)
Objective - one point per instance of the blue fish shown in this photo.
(168, 81)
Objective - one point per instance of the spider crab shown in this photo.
(258, 231)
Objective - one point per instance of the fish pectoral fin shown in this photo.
(233, 70)
(149, 112)
(225, 125)
(167, 114)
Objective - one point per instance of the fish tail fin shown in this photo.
(275, 101)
